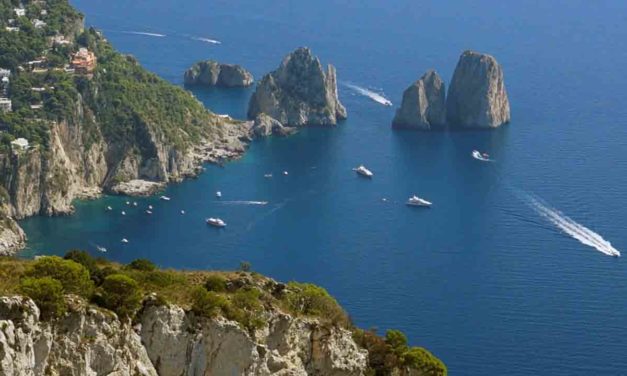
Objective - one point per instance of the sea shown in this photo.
(510, 272)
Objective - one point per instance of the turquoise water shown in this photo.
(482, 279)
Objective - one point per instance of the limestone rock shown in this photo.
(212, 73)
(264, 126)
(299, 92)
(138, 187)
(477, 97)
(423, 105)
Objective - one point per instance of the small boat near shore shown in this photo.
(363, 171)
(417, 201)
(101, 249)
(484, 157)
(149, 212)
(267, 176)
(164, 198)
(216, 222)
(124, 240)
(218, 194)
(109, 208)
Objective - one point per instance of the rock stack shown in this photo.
(211, 73)
(299, 93)
(423, 105)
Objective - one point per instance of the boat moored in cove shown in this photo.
(363, 171)
(484, 157)
(417, 201)
(164, 198)
(216, 222)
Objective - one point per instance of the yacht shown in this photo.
(123, 212)
(216, 222)
(164, 198)
(417, 201)
(128, 202)
(285, 173)
(485, 157)
(267, 176)
(124, 240)
(363, 171)
(182, 211)
(149, 207)
(218, 194)
(109, 208)
(134, 203)
(149, 212)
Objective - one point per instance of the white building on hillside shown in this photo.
(20, 143)
(5, 105)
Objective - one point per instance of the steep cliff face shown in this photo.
(168, 341)
(299, 93)
(212, 73)
(477, 97)
(423, 105)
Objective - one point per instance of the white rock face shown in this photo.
(423, 105)
(299, 93)
(477, 97)
(168, 341)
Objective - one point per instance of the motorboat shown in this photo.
(149, 207)
(267, 176)
(101, 249)
(218, 194)
(128, 202)
(417, 201)
(363, 171)
(149, 212)
(285, 173)
(123, 212)
(164, 198)
(109, 208)
(182, 211)
(124, 240)
(134, 203)
(216, 222)
(484, 157)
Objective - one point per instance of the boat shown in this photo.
(285, 173)
(267, 176)
(101, 249)
(216, 222)
(109, 208)
(164, 198)
(134, 203)
(417, 201)
(182, 211)
(128, 202)
(218, 194)
(484, 157)
(149, 207)
(363, 171)
(124, 240)
(123, 212)
(149, 212)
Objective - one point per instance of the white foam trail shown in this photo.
(145, 33)
(245, 202)
(207, 40)
(570, 227)
(370, 94)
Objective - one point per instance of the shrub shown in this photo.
(312, 300)
(121, 294)
(420, 359)
(47, 293)
(207, 303)
(73, 276)
(143, 265)
(215, 283)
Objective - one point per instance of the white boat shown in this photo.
(417, 201)
(484, 157)
(363, 171)
(267, 176)
(101, 249)
(218, 194)
(285, 173)
(182, 211)
(134, 203)
(123, 212)
(164, 198)
(124, 240)
(216, 222)
(149, 207)
(149, 212)
(128, 203)
(109, 208)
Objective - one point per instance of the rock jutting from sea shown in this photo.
(212, 73)
(299, 93)
(423, 105)
(476, 98)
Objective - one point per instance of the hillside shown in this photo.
(78, 118)
(101, 317)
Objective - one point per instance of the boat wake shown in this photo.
(144, 33)
(207, 40)
(369, 93)
(244, 202)
(575, 230)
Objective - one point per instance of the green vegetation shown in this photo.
(244, 297)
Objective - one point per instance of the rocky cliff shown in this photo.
(299, 93)
(477, 97)
(212, 73)
(168, 340)
(423, 105)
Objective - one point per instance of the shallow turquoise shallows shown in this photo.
(495, 278)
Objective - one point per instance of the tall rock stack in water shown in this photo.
(299, 92)
(423, 105)
(477, 96)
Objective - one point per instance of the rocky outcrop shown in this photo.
(137, 187)
(264, 126)
(168, 341)
(477, 97)
(299, 93)
(212, 73)
(423, 105)
(12, 237)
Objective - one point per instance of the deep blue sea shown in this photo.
(495, 279)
